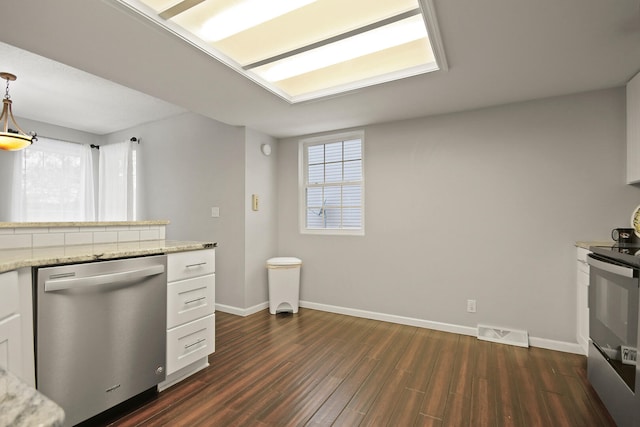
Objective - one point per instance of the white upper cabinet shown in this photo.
(633, 130)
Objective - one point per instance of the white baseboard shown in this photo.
(244, 312)
(566, 347)
(548, 344)
(410, 321)
(584, 344)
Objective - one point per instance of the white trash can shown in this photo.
(284, 284)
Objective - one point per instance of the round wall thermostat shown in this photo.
(266, 149)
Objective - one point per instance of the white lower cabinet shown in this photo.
(190, 313)
(16, 324)
(11, 345)
(582, 293)
(16, 330)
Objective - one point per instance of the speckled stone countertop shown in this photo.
(585, 244)
(12, 259)
(24, 406)
(79, 224)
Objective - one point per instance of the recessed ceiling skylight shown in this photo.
(307, 49)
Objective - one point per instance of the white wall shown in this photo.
(189, 165)
(261, 225)
(481, 205)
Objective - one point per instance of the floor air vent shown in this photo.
(503, 335)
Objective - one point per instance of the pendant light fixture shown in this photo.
(12, 138)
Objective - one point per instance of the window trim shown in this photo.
(302, 183)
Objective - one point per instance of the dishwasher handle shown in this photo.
(103, 279)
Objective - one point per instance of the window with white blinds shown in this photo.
(332, 190)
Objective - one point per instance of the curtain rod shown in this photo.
(132, 139)
(97, 147)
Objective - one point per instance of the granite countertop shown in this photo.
(24, 406)
(585, 244)
(12, 259)
(80, 224)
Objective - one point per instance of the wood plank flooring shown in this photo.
(321, 369)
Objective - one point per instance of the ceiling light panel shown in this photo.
(382, 66)
(245, 15)
(362, 44)
(303, 49)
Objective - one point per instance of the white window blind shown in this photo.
(53, 181)
(333, 184)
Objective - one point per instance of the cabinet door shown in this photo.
(11, 345)
(9, 294)
(633, 130)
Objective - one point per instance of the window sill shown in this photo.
(332, 232)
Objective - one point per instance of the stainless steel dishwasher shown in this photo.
(100, 332)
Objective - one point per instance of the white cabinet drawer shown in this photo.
(9, 294)
(189, 343)
(190, 299)
(185, 265)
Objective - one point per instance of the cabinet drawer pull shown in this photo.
(186, 346)
(194, 300)
(196, 265)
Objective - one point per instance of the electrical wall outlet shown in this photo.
(215, 212)
(471, 306)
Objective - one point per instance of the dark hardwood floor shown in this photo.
(320, 369)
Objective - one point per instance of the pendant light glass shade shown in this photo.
(12, 138)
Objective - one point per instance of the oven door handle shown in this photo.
(103, 279)
(611, 268)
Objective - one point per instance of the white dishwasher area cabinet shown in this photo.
(10, 331)
(190, 313)
(16, 325)
(582, 293)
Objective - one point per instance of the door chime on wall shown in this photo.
(14, 138)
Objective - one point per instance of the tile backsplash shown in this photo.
(33, 237)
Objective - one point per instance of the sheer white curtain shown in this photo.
(116, 182)
(53, 181)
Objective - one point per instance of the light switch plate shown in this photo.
(215, 212)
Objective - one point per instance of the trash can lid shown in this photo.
(284, 261)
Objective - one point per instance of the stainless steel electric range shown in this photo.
(614, 299)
